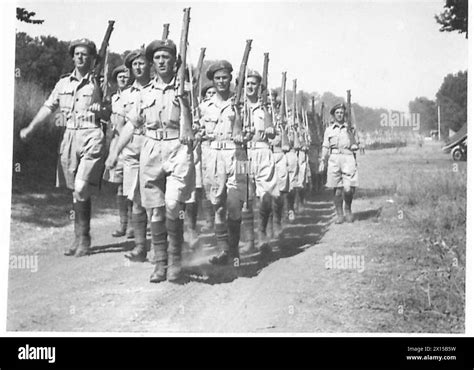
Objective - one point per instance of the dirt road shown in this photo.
(301, 287)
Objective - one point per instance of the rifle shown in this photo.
(200, 63)
(285, 143)
(185, 129)
(263, 94)
(238, 124)
(105, 85)
(296, 139)
(100, 60)
(350, 129)
(166, 31)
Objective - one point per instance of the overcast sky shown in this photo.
(387, 53)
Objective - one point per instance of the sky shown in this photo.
(386, 52)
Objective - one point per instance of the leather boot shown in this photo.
(291, 204)
(338, 204)
(160, 247)
(71, 250)
(347, 206)
(175, 234)
(138, 253)
(222, 237)
(277, 210)
(191, 213)
(122, 205)
(234, 238)
(130, 233)
(83, 214)
(248, 236)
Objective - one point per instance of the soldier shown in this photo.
(302, 154)
(121, 76)
(262, 176)
(293, 167)
(167, 173)
(140, 67)
(224, 176)
(339, 157)
(82, 150)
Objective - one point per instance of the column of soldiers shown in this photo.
(162, 169)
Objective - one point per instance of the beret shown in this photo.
(336, 107)
(117, 70)
(217, 66)
(155, 45)
(132, 56)
(254, 74)
(82, 42)
(206, 87)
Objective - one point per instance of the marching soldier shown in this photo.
(167, 173)
(303, 168)
(293, 167)
(81, 157)
(130, 155)
(338, 155)
(121, 76)
(224, 176)
(262, 176)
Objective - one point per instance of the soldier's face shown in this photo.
(210, 92)
(252, 87)
(222, 80)
(82, 57)
(164, 62)
(140, 67)
(122, 79)
(339, 115)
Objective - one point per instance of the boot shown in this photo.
(122, 204)
(138, 253)
(234, 238)
(160, 246)
(130, 233)
(338, 204)
(175, 233)
(291, 204)
(222, 237)
(191, 212)
(277, 210)
(248, 237)
(83, 214)
(71, 250)
(347, 206)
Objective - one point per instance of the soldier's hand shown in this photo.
(111, 161)
(25, 133)
(322, 167)
(95, 107)
(270, 132)
(354, 147)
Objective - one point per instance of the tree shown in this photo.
(427, 110)
(24, 15)
(452, 98)
(454, 16)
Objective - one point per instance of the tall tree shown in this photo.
(427, 110)
(452, 98)
(454, 16)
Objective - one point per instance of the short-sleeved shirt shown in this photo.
(336, 136)
(257, 122)
(219, 118)
(73, 96)
(117, 114)
(157, 106)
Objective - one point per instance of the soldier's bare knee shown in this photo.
(158, 214)
(174, 209)
(338, 192)
(81, 190)
(137, 208)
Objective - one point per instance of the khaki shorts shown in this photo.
(342, 171)
(81, 156)
(263, 177)
(115, 175)
(281, 166)
(167, 172)
(131, 168)
(292, 160)
(225, 174)
(302, 168)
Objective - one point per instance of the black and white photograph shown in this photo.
(230, 167)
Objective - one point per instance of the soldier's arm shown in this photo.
(325, 147)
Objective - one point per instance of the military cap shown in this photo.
(132, 56)
(206, 87)
(117, 70)
(217, 66)
(255, 74)
(336, 107)
(82, 42)
(155, 45)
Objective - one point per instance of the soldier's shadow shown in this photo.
(120, 246)
(305, 232)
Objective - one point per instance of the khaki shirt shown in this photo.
(117, 116)
(336, 136)
(73, 97)
(256, 120)
(155, 107)
(218, 119)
